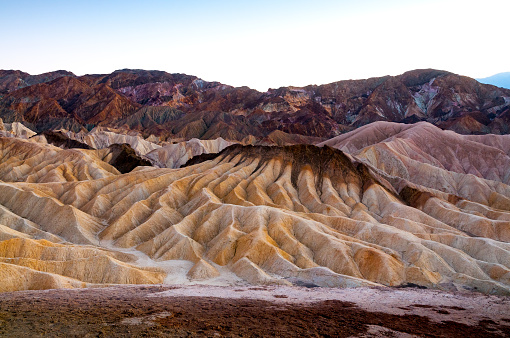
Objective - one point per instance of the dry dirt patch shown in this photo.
(271, 311)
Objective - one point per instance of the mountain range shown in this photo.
(181, 107)
(145, 177)
(499, 80)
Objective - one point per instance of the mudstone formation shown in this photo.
(146, 177)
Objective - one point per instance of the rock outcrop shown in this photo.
(177, 154)
(179, 106)
(11, 80)
(15, 129)
(268, 215)
(25, 161)
(100, 138)
(146, 177)
(65, 102)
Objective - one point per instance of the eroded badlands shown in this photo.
(392, 205)
(395, 205)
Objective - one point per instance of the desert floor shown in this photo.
(198, 310)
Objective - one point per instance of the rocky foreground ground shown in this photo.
(283, 311)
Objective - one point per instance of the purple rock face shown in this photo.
(182, 106)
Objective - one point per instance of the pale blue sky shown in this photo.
(260, 44)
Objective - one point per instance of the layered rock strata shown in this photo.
(183, 107)
(265, 215)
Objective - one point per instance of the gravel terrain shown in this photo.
(198, 310)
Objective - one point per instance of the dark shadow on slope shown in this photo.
(323, 161)
(60, 140)
(124, 158)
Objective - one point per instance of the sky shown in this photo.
(260, 44)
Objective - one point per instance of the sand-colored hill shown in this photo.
(100, 138)
(33, 161)
(266, 215)
(160, 154)
(476, 168)
(177, 154)
(39, 264)
(15, 129)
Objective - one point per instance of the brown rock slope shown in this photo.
(445, 99)
(66, 102)
(11, 80)
(266, 214)
(183, 107)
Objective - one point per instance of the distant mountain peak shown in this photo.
(498, 80)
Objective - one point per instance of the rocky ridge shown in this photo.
(396, 205)
(183, 107)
